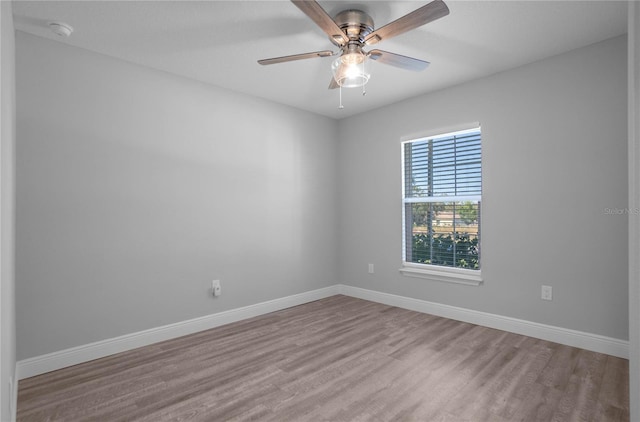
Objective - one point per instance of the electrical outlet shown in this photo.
(215, 288)
(370, 268)
(547, 293)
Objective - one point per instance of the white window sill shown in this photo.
(448, 275)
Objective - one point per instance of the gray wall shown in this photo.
(135, 188)
(554, 157)
(7, 204)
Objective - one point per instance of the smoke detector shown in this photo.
(60, 28)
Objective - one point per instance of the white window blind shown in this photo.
(442, 194)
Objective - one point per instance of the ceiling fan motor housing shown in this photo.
(355, 23)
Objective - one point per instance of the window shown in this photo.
(442, 192)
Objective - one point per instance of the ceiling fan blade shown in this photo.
(294, 57)
(333, 84)
(398, 60)
(428, 13)
(317, 14)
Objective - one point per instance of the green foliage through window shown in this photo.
(441, 249)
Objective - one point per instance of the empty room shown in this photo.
(320, 210)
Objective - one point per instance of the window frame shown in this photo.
(456, 275)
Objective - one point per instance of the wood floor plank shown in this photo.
(338, 359)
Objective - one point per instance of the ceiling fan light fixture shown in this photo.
(350, 71)
(351, 59)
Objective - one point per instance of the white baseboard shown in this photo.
(588, 341)
(75, 355)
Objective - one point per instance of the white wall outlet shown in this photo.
(370, 268)
(547, 293)
(215, 288)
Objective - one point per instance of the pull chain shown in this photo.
(340, 106)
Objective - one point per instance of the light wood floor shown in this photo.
(338, 359)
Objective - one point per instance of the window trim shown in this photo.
(463, 276)
(440, 273)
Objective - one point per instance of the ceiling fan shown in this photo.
(352, 30)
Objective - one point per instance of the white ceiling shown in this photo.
(219, 42)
